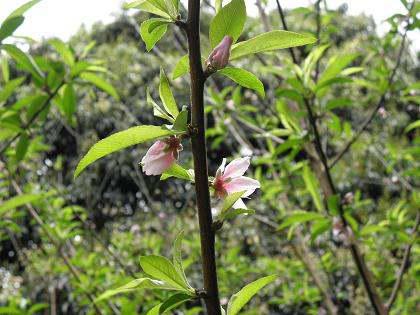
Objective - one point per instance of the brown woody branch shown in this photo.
(198, 142)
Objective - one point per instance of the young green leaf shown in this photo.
(5, 71)
(231, 213)
(412, 126)
(151, 37)
(300, 217)
(64, 51)
(229, 20)
(147, 6)
(9, 26)
(166, 95)
(69, 101)
(22, 9)
(173, 302)
(181, 121)
(161, 268)
(141, 283)
(244, 78)
(177, 171)
(335, 65)
(18, 201)
(23, 60)
(238, 300)
(270, 41)
(22, 147)
(9, 88)
(312, 186)
(181, 68)
(230, 200)
(177, 255)
(157, 110)
(121, 140)
(100, 83)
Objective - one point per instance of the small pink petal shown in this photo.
(158, 166)
(156, 151)
(237, 168)
(242, 183)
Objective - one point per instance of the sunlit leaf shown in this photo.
(121, 140)
(166, 95)
(238, 300)
(270, 41)
(229, 20)
(161, 268)
(244, 78)
(100, 83)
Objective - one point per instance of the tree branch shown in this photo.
(329, 189)
(381, 101)
(51, 95)
(403, 267)
(198, 142)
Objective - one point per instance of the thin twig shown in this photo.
(51, 95)
(381, 101)
(330, 190)
(404, 266)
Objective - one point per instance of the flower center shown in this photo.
(219, 187)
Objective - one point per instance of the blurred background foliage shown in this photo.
(102, 222)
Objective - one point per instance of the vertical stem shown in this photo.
(198, 142)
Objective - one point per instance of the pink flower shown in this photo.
(219, 57)
(161, 155)
(229, 180)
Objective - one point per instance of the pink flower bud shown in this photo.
(161, 155)
(230, 180)
(219, 57)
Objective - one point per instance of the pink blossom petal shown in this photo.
(236, 168)
(239, 204)
(242, 183)
(156, 151)
(159, 165)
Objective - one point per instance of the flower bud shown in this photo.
(219, 57)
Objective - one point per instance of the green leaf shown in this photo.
(69, 101)
(166, 95)
(9, 26)
(137, 284)
(333, 203)
(177, 171)
(244, 78)
(335, 65)
(9, 88)
(181, 68)
(5, 69)
(147, 6)
(270, 41)
(64, 51)
(157, 110)
(22, 9)
(231, 213)
(22, 147)
(24, 60)
(181, 121)
(174, 301)
(230, 200)
(121, 140)
(412, 126)
(319, 227)
(300, 217)
(177, 255)
(312, 186)
(161, 268)
(100, 83)
(150, 38)
(230, 20)
(218, 5)
(238, 300)
(18, 201)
